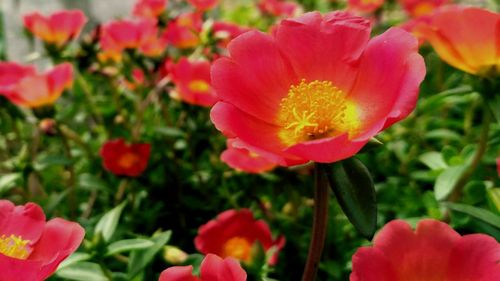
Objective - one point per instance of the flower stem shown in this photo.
(476, 160)
(319, 228)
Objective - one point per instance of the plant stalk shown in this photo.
(319, 228)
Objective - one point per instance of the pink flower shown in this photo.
(233, 234)
(318, 89)
(434, 251)
(203, 5)
(58, 28)
(24, 87)
(149, 8)
(278, 8)
(244, 160)
(364, 6)
(183, 31)
(417, 8)
(31, 248)
(192, 81)
(213, 268)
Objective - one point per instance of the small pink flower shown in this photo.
(31, 248)
(203, 5)
(213, 268)
(58, 28)
(149, 8)
(278, 8)
(245, 160)
(183, 31)
(434, 251)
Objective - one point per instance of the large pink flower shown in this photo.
(31, 248)
(213, 268)
(24, 87)
(433, 252)
(318, 89)
(58, 28)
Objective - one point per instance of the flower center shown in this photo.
(423, 9)
(237, 247)
(199, 86)
(128, 160)
(14, 246)
(315, 110)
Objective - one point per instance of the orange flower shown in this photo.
(203, 5)
(233, 234)
(183, 31)
(58, 28)
(125, 159)
(245, 160)
(192, 81)
(149, 8)
(318, 89)
(467, 38)
(434, 251)
(140, 34)
(417, 8)
(364, 6)
(24, 87)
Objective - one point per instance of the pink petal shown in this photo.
(26, 221)
(178, 273)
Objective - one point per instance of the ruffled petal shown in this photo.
(371, 264)
(178, 273)
(26, 221)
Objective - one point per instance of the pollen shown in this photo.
(128, 160)
(315, 110)
(14, 246)
(237, 247)
(199, 86)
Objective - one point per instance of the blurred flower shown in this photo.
(125, 159)
(192, 81)
(213, 268)
(203, 5)
(364, 6)
(417, 8)
(244, 160)
(24, 87)
(31, 248)
(174, 255)
(149, 8)
(226, 31)
(58, 28)
(434, 251)
(413, 25)
(278, 8)
(234, 233)
(182, 32)
(465, 37)
(318, 89)
(498, 166)
(47, 126)
(137, 80)
(141, 34)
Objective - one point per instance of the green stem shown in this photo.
(121, 190)
(88, 95)
(72, 202)
(319, 228)
(476, 160)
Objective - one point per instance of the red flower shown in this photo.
(213, 268)
(245, 160)
(498, 166)
(233, 234)
(417, 8)
(149, 8)
(31, 248)
(364, 6)
(24, 87)
(192, 80)
(278, 8)
(125, 159)
(434, 251)
(203, 5)
(465, 37)
(182, 32)
(317, 89)
(58, 28)
(141, 34)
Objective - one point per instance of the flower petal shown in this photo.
(26, 221)
(178, 273)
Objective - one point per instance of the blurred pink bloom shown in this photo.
(278, 8)
(183, 31)
(149, 8)
(203, 5)
(58, 28)
(245, 160)
(434, 251)
(364, 6)
(417, 8)
(24, 87)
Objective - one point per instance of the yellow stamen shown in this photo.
(14, 246)
(238, 248)
(199, 86)
(315, 110)
(128, 160)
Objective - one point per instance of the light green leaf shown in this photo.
(128, 245)
(82, 271)
(8, 181)
(478, 213)
(74, 258)
(141, 258)
(446, 181)
(434, 160)
(108, 223)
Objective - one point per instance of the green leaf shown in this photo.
(128, 245)
(446, 181)
(141, 258)
(82, 271)
(74, 258)
(434, 160)
(108, 223)
(170, 131)
(353, 186)
(478, 213)
(494, 198)
(8, 181)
